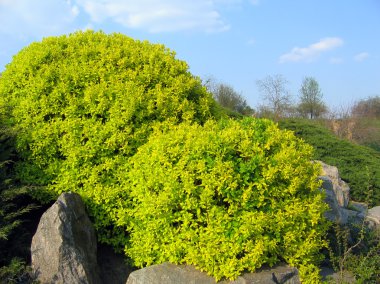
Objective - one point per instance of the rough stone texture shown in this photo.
(338, 197)
(373, 217)
(64, 248)
(352, 216)
(185, 274)
(340, 188)
(335, 213)
(359, 206)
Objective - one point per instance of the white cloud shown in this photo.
(158, 16)
(310, 53)
(361, 56)
(35, 19)
(25, 18)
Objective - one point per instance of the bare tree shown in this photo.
(369, 108)
(276, 95)
(227, 97)
(311, 104)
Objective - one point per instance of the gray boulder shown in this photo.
(338, 197)
(352, 216)
(373, 217)
(186, 274)
(335, 214)
(332, 181)
(64, 248)
(359, 206)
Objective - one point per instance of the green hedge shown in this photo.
(358, 165)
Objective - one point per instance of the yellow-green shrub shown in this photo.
(82, 104)
(227, 197)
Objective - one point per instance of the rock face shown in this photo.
(185, 274)
(332, 181)
(338, 198)
(373, 217)
(64, 248)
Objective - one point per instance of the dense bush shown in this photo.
(354, 248)
(364, 260)
(227, 197)
(82, 104)
(358, 165)
(80, 101)
(15, 210)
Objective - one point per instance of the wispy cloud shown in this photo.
(24, 18)
(158, 16)
(361, 56)
(310, 53)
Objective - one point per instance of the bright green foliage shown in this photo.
(82, 104)
(227, 197)
(84, 100)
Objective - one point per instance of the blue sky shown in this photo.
(235, 41)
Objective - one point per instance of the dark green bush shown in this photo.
(17, 272)
(226, 197)
(366, 266)
(364, 262)
(358, 165)
(355, 248)
(15, 209)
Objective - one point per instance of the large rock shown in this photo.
(335, 214)
(332, 181)
(373, 217)
(64, 248)
(338, 198)
(186, 274)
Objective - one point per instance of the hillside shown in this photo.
(358, 165)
